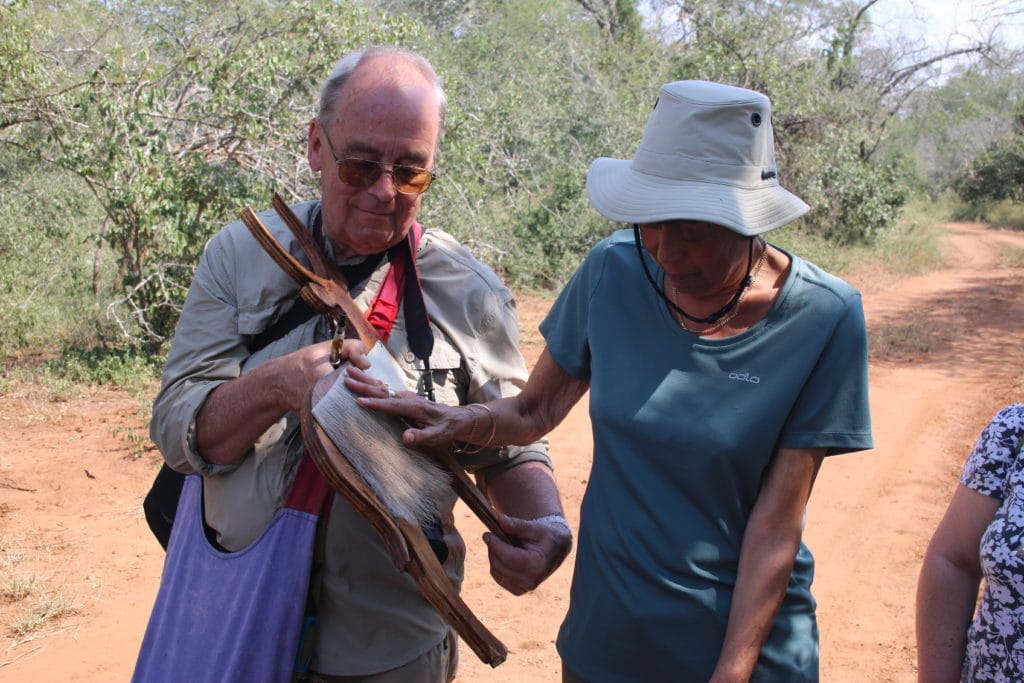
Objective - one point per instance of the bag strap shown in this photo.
(417, 322)
(384, 309)
(310, 491)
(403, 284)
(326, 287)
(382, 312)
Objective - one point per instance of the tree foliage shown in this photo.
(998, 172)
(537, 93)
(834, 93)
(171, 116)
(174, 116)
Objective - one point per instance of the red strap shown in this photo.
(384, 309)
(310, 490)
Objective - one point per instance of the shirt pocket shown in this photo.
(447, 372)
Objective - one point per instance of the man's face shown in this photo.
(386, 112)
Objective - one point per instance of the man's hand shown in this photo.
(238, 412)
(540, 547)
(303, 368)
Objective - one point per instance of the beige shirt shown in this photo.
(371, 616)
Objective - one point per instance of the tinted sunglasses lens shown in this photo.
(411, 180)
(358, 172)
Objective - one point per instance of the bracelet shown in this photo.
(472, 430)
(494, 424)
(555, 519)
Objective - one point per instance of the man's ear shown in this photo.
(314, 145)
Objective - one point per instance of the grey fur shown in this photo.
(410, 485)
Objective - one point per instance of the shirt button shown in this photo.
(409, 356)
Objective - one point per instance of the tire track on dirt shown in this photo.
(872, 514)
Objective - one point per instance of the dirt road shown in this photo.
(75, 550)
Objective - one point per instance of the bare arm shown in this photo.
(769, 548)
(947, 589)
(238, 412)
(525, 493)
(549, 395)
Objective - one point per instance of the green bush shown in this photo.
(117, 162)
(852, 200)
(126, 367)
(1005, 213)
(995, 175)
(50, 269)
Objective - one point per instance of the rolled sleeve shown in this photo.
(238, 291)
(501, 372)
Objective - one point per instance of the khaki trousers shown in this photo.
(437, 665)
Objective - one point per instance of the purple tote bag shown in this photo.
(223, 617)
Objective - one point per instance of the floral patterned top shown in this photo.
(995, 641)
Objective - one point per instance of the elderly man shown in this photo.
(241, 366)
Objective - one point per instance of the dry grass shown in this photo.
(914, 335)
(46, 611)
(20, 587)
(27, 603)
(1011, 257)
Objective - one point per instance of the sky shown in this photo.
(938, 24)
(952, 23)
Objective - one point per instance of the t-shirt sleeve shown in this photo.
(566, 328)
(832, 410)
(1000, 443)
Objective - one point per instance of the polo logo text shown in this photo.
(745, 377)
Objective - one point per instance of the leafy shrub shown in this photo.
(125, 367)
(996, 174)
(851, 200)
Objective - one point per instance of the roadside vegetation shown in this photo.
(131, 131)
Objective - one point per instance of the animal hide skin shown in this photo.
(411, 485)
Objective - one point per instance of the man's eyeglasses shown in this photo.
(363, 173)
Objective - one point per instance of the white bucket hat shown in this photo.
(707, 154)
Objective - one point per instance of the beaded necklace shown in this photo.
(734, 304)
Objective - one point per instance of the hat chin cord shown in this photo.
(717, 315)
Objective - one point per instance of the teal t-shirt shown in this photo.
(683, 430)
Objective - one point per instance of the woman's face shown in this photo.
(698, 258)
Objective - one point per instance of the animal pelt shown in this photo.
(409, 484)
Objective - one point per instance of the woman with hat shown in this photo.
(721, 371)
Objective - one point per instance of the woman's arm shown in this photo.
(947, 590)
(523, 493)
(769, 549)
(547, 398)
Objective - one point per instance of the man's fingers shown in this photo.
(355, 351)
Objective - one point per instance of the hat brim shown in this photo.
(622, 194)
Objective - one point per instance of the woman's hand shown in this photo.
(518, 420)
(431, 424)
